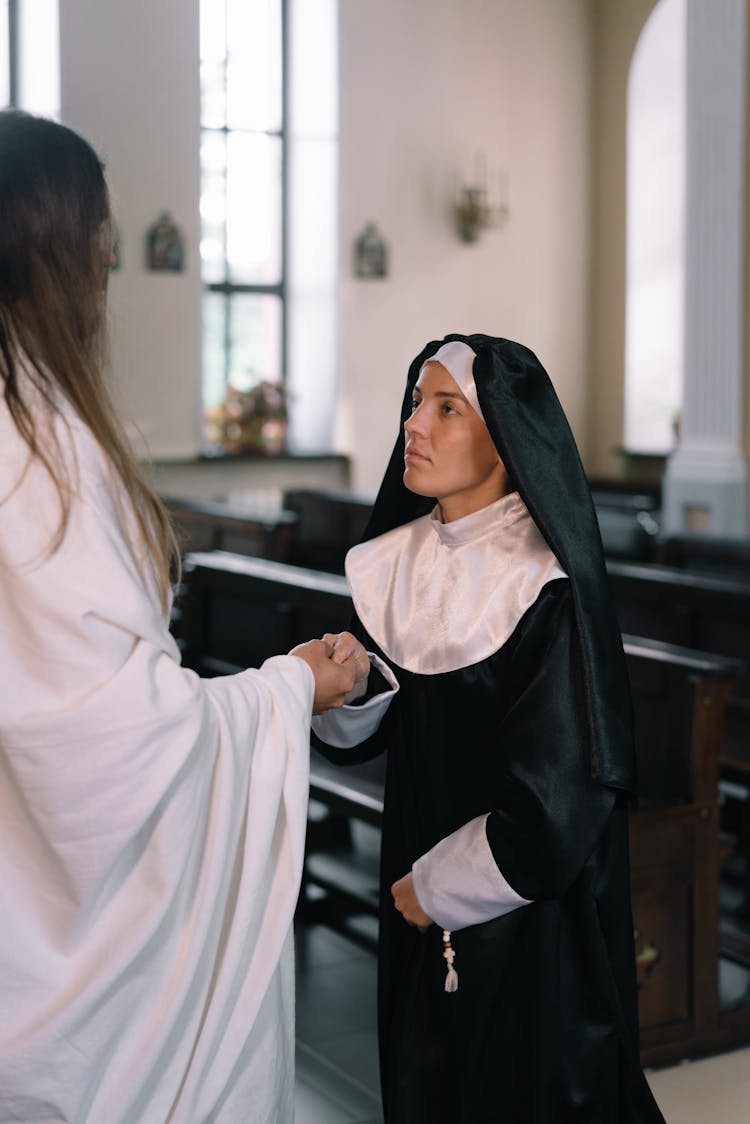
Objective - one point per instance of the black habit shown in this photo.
(543, 1026)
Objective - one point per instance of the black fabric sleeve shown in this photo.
(553, 812)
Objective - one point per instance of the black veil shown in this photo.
(532, 436)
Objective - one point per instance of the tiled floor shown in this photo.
(337, 1060)
(710, 1091)
(337, 1081)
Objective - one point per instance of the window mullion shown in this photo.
(13, 52)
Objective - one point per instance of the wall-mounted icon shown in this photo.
(165, 250)
(370, 254)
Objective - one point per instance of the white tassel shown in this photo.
(451, 978)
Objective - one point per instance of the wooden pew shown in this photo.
(629, 519)
(695, 610)
(726, 557)
(679, 699)
(219, 525)
(698, 609)
(328, 524)
(239, 611)
(712, 614)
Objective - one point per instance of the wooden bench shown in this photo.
(699, 611)
(328, 524)
(218, 525)
(629, 519)
(712, 614)
(679, 700)
(239, 611)
(720, 557)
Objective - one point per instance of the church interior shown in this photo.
(305, 192)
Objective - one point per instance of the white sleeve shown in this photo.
(458, 882)
(351, 725)
(152, 825)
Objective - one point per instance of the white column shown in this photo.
(706, 478)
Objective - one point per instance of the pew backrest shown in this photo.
(219, 525)
(722, 557)
(700, 611)
(238, 611)
(328, 524)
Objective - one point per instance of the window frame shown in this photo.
(227, 289)
(12, 30)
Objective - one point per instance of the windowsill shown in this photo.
(255, 457)
(642, 454)
(247, 474)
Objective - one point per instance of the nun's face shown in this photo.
(449, 452)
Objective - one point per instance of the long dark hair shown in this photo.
(55, 245)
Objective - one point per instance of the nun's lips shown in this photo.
(411, 454)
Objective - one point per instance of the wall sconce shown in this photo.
(476, 207)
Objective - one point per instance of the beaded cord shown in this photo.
(451, 978)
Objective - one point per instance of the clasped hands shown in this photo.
(340, 666)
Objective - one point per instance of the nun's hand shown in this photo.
(407, 903)
(347, 649)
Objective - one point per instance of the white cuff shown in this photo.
(350, 725)
(458, 882)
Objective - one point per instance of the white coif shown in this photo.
(440, 596)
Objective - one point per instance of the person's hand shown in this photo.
(333, 680)
(407, 903)
(346, 647)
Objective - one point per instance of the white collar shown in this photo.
(437, 597)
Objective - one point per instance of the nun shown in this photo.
(498, 689)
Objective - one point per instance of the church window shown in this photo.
(243, 186)
(655, 232)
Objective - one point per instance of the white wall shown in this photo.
(130, 83)
(425, 84)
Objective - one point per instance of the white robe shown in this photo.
(151, 835)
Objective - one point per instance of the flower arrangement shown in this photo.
(250, 421)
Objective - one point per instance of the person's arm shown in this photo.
(363, 710)
(153, 822)
(335, 680)
(551, 812)
(458, 883)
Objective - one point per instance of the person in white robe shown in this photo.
(151, 823)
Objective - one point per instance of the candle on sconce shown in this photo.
(482, 204)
